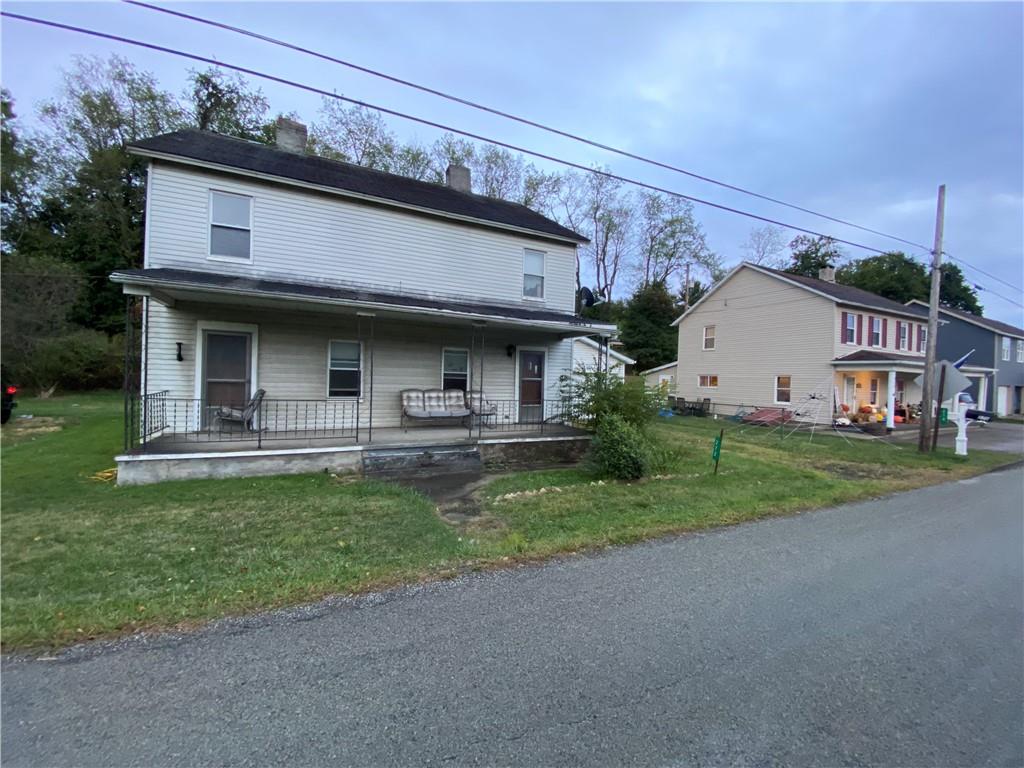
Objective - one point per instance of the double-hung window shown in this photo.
(876, 332)
(1020, 351)
(533, 274)
(707, 380)
(904, 340)
(455, 369)
(850, 331)
(783, 389)
(1006, 348)
(344, 369)
(924, 338)
(709, 337)
(874, 392)
(230, 226)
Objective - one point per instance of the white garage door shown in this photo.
(1002, 401)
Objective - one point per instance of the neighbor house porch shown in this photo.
(225, 372)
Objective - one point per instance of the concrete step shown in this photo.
(427, 459)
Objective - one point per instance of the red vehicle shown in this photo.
(9, 403)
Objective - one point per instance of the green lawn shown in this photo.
(83, 558)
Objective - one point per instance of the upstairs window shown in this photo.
(455, 369)
(850, 331)
(1020, 351)
(783, 389)
(230, 226)
(344, 369)
(533, 274)
(709, 337)
(924, 338)
(1006, 348)
(875, 338)
(903, 342)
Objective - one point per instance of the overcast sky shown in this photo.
(857, 110)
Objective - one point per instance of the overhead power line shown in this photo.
(983, 272)
(510, 116)
(430, 123)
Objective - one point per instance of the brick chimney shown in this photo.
(457, 177)
(827, 273)
(291, 135)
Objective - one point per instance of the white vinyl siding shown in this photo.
(292, 362)
(313, 237)
(230, 226)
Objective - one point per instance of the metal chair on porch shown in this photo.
(241, 416)
(482, 408)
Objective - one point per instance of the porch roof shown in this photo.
(166, 285)
(872, 359)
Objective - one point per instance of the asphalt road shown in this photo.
(1003, 436)
(884, 633)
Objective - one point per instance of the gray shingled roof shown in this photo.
(870, 356)
(233, 153)
(845, 293)
(214, 280)
(993, 325)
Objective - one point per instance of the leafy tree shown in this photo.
(646, 326)
(670, 237)
(956, 292)
(810, 254)
(697, 291)
(764, 245)
(225, 103)
(898, 277)
(19, 177)
(893, 275)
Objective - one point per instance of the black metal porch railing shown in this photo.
(158, 420)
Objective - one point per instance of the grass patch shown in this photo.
(83, 558)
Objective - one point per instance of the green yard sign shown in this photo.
(716, 450)
(943, 416)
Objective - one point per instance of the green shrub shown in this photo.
(595, 395)
(664, 457)
(619, 449)
(79, 360)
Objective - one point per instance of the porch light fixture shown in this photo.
(179, 355)
(510, 350)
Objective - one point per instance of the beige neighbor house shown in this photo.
(762, 338)
(662, 376)
(590, 355)
(300, 314)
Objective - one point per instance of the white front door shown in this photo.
(850, 393)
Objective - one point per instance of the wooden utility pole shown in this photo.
(924, 438)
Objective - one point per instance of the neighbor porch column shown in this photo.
(890, 400)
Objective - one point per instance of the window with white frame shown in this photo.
(344, 369)
(709, 337)
(876, 331)
(455, 369)
(533, 274)
(707, 380)
(1006, 348)
(873, 392)
(904, 340)
(924, 338)
(1020, 351)
(230, 226)
(783, 389)
(850, 332)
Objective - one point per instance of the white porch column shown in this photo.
(890, 399)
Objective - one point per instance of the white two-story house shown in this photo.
(314, 293)
(763, 338)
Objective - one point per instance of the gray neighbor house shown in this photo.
(996, 346)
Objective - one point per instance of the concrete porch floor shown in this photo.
(383, 437)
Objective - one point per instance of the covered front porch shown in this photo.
(880, 388)
(223, 373)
